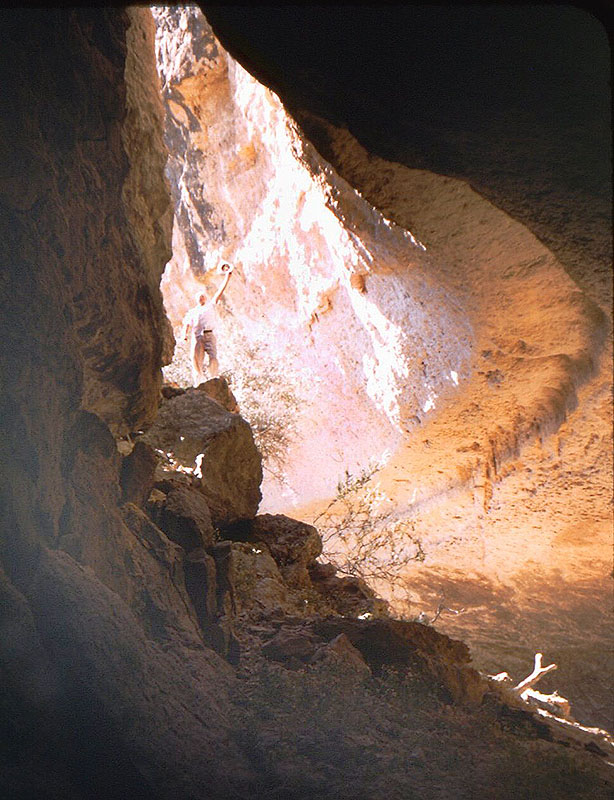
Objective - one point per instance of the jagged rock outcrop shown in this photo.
(219, 390)
(348, 594)
(294, 545)
(184, 515)
(199, 434)
(96, 631)
(84, 181)
(137, 474)
(381, 643)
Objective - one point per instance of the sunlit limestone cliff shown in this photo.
(369, 328)
(325, 286)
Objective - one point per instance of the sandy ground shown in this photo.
(509, 486)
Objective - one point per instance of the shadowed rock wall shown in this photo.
(85, 207)
(96, 626)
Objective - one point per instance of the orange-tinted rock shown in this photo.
(217, 389)
(109, 688)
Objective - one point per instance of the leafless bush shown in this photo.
(269, 394)
(362, 539)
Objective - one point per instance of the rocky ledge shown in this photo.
(319, 669)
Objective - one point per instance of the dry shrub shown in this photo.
(270, 395)
(363, 540)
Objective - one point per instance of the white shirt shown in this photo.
(201, 318)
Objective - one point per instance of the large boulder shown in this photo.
(202, 438)
(183, 514)
(294, 545)
(293, 646)
(340, 654)
(382, 643)
(215, 388)
(219, 390)
(256, 580)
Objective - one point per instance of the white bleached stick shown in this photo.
(536, 675)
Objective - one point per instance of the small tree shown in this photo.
(362, 539)
(271, 396)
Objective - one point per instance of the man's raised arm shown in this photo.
(226, 268)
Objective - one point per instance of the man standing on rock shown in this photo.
(200, 322)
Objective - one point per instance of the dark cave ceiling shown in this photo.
(404, 62)
(515, 99)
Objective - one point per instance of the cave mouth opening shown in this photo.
(334, 332)
(436, 333)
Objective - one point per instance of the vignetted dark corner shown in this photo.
(310, 575)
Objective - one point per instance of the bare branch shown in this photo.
(441, 608)
(553, 703)
(362, 538)
(535, 676)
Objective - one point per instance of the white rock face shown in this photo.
(340, 302)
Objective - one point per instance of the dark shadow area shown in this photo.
(515, 99)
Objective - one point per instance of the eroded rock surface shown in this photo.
(184, 515)
(137, 474)
(97, 155)
(219, 390)
(96, 628)
(199, 434)
(337, 308)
